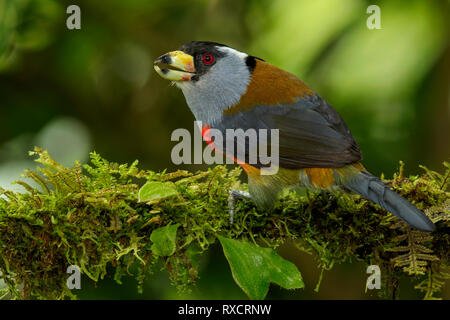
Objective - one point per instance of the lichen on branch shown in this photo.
(94, 216)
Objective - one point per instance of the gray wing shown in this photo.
(311, 133)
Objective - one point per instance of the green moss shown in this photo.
(91, 216)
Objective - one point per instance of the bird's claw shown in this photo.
(233, 195)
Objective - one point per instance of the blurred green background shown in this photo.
(74, 91)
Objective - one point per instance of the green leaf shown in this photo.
(254, 267)
(154, 190)
(164, 240)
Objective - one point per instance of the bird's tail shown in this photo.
(373, 189)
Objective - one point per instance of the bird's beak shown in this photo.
(182, 62)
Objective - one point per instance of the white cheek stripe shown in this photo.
(234, 52)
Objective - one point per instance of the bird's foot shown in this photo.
(233, 195)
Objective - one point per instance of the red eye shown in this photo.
(208, 58)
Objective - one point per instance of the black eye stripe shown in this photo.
(198, 49)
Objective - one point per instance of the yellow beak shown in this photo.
(175, 59)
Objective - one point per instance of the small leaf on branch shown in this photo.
(155, 190)
(164, 240)
(254, 267)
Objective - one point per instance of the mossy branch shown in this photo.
(91, 216)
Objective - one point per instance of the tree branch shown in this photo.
(92, 217)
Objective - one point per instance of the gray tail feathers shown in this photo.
(375, 190)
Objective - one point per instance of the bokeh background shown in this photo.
(75, 91)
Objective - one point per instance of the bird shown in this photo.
(229, 89)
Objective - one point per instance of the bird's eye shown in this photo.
(208, 58)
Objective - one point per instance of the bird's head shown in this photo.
(212, 76)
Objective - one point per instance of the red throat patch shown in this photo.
(210, 142)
